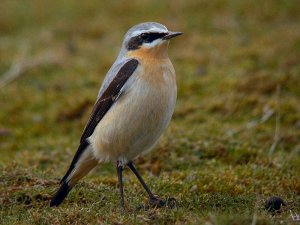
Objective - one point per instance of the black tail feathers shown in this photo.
(60, 194)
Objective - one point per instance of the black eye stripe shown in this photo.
(136, 42)
(153, 36)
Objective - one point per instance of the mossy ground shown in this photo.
(238, 76)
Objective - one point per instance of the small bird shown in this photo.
(134, 106)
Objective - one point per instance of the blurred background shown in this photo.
(236, 128)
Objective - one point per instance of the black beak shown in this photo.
(171, 34)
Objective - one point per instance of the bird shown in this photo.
(134, 106)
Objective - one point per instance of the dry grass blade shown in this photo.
(22, 64)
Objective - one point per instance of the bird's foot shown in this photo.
(156, 202)
(122, 210)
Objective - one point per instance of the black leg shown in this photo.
(133, 169)
(120, 170)
(153, 200)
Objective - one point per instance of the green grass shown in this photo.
(238, 77)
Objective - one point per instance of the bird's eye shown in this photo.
(144, 36)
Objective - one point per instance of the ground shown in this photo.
(234, 139)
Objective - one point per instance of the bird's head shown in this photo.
(149, 39)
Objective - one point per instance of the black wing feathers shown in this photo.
(101, 107)
(108, 97)
(80, 150)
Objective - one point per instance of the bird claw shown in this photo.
(158, 203)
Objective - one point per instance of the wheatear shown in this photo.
(134, 106)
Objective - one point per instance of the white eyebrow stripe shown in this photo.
(154, 29)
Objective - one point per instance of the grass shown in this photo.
(238, 81)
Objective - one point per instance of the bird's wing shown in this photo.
(102, 105)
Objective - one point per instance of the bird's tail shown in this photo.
(60, 195)
(81, 165)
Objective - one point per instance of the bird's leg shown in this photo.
(154, 201)
(119, 171)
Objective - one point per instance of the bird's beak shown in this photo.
(171, 34)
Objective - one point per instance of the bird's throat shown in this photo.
(158, 52)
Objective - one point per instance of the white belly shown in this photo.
(136, 120)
